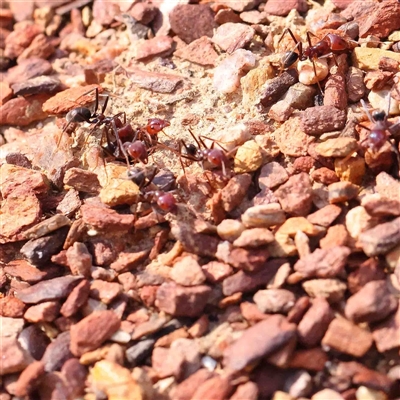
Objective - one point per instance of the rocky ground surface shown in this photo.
(276, 278)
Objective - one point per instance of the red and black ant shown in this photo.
(380, 132)
(330, 45)
(164, 200)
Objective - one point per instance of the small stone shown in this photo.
(307, 74)
(385, 333)
(263, 216)
(200, 51)
(254, 17)
(92, 331)
(24, 271)
(259, 341)
(358, 221)
(355, 85)
(381, 239)
(82, 180)
(240, 5)
(230, 229)
(325, 216)
(79, 259)
(378, 100)
(280, 111)
(367, 58)
(331, 289)
(159, 46)
(182, 301)
(338, 147)
(128, 261)
(351, 169)
(217, 388)
(232, 36)
(235, 191)
(387, 186)
(143, 12)
(327, 393)
(47, 226)
(335, 91)
(11, 327)
(248, 260)
(317, 120)
(336, 235)
(167, 362)
(187, 272)
(13, 357)
(292, 225)
(228, 73)
(315, 322)
(248, 157)
(43, 312)
(103, 218)
(272, 175)
(216, 271)
(274, 300)
(340, 192)
(68, 99)
(6, 93)
(275, 88)
(248, 391)
(29, 379)
(52, 289)
(324, 175)
(371, 303)
(104, 291)
(39, 84)
(300, 96)
(76, 299)
(310, 359)
(41, 46)
(187, 388)
(254, 238)
(75, 374)
(192, 21)
(345, 337)
(19, 39)
(11, 307)
(295, 196)
(154, 81)
(276, 7)
(137, 353)
(147, 328)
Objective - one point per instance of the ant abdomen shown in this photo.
(216, 157)
(137, 150)
(79, 114)
(166, 201)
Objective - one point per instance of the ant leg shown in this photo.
(103, 109)
(364, 105)
(121, 146)
(218, 142)
(289, 31)
(309, 34)
(315, 72)
(195, 139)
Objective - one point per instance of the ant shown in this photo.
(164, 200)
(330, 45)
(380, 132)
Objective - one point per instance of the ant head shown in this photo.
(379, 115)
(166, 201)
(156, 125)
(79, 114)
(288, 59)
(137, 150)
(216, 157)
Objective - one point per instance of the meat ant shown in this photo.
(380, 132)
(164, 200)
(330, 45)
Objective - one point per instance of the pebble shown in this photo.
(76, 299)
(261, 340)
(230, 229)
(11, 307)
(216, 271)
(167, 362)
(272, 175)
(233, 36)
(228, 73)
(240, 5)
(274, 300)
(11, 327)
(327, 393)
(345, 337)
(351, 169)
(161, 46)
(192, 21)
(128, 261)
(263, 216)
(248, 390)
(291, 139)
(47, 226)
(13, 357)
(187, 388)
(282, 9)
(29, 379)
(381, 239)
(82, 180)
(24, 204)
(143, 12)
(24, 271)
(331, 289)
(307, 74)
(23, 111)
(235, 191)
(52, 289)
(253, 238)
(275, 88)
(315, 322)
(182, 301)
(201, 51)
(155, 81)
(325, 216)
(300, 96)
(187, 272)
(379, 206)
(355, 85)
(20, 38)
(384, 333)
(335, 91)
(381, 20)
(217, 387)
(248, 157)
(92, 331)
(337, 147)
(358, 221)
(378, 100)
(43, 312)
(340, 192)
(106, 292)
(324, 175)
(247, 259)
(41, 46)
(318, 120)
(367, 58)
(6, 93)
(295, 196)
